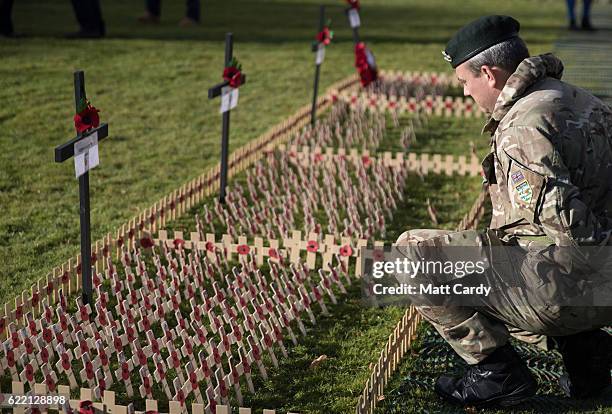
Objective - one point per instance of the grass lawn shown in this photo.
(150, 83)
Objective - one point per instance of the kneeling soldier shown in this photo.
(549, 175)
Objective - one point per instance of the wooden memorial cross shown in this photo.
(64, 364)
(84, 149)
(229, 99)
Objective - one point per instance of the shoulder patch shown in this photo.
(523, 190)
(517, 177)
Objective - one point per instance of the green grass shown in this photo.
(150, 84)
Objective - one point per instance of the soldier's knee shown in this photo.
(415, 236)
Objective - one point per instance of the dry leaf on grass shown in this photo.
(318, 360)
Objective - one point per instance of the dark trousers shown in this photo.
(193, 8)
(6, 22)
(89, 15)
(586, 10)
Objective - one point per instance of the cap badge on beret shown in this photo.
(447, 57)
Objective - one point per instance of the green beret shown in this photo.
(479, 35)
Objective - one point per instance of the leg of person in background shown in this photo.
(571, 14)
(152, 12)
(6, 21)
(192, 16)
(89, 16)
(586, 15)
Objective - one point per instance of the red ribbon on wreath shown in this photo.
(365, 64)
(354, 4)
(86, 117)
(233, 73)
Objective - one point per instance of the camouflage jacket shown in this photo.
(550, 166)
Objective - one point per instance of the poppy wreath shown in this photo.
(86, 117)
(233, 73)
(364, 62)
(325, 36)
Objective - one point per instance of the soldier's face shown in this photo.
(484, 88)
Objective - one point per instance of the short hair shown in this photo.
(506, 55)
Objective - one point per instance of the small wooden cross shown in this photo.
(67, 151)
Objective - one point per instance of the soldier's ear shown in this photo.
(496, 77)
(489, 74)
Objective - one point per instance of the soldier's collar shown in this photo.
(490, 126)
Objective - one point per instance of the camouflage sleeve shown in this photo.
(541, 191)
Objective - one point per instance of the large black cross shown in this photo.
(65, 152)
(315, 48)
(213, 93)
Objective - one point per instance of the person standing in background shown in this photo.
(153, 13)
(6, 22)
(89, 15)
(586, 15)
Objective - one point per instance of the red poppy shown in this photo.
(34, 299)
(325, 36)
(10, 358)
(86, 407)
(65, 362)
(125, 371)
(232, 75)
(178, 243)
(366, 161)
(86, 119)
(210, 246)
(89, 370)
(318, 157)
(47, 335)
(378, 255)
(273, 253)
(49, 288)
(50, 383)
(346, 250)
(354, 4)
(312, 246)
(243, 249)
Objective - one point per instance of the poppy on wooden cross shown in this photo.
(319, 48)
(84, 149)
(228, 90)
(352, 13)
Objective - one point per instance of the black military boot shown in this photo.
(587, 357)
(586, 25)
(501, 379)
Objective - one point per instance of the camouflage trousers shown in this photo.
(474, 332)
